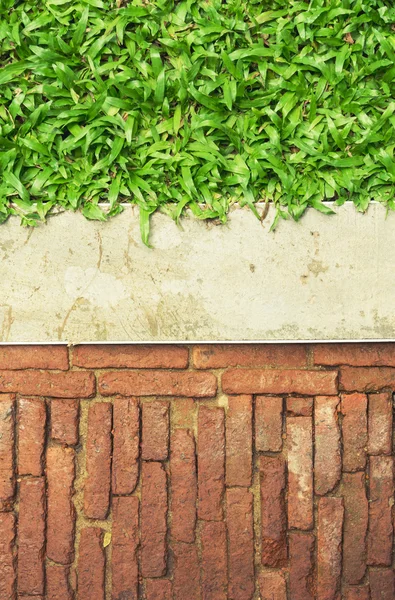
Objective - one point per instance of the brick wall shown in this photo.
(197, 473)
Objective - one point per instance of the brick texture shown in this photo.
(155, 442)
(211, 463)
(161, 383)
(131, 357)
(31, 537)
(48, 383)
(64, 421)
(300, 472)
(126, 445)
(183, 485)
(7, 559)
(239, 441)
(214, 561)
(31, 434)
(273, 516)
(268, 423)
(268, 381)
(7, 439)
(98, 461)
(125, 538)
(34, 357)
(327, 458)
(153, 520)
(91, 565)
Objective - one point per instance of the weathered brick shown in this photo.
(327, 457)
(31, 434)
(64, 421)
(157, 589)
(355, 431)
(125, 539)
(273, 516)
(270, 381)
(380, 424)
(186, 579)
(31, 537)
(382, 584)
(268, 423)
(155, 433)
(369, 379)
(73, 384)
(126, 445)
(355, 354)
(98, 461)
(211, 462)
(7, 476)
(329, 548)
(272, 586)
(301, 567)
(239, 517)
(153, 520)
(34, 357)
(58, 586)
(355, 527)
(91, 565)
(300, 407)
(300, 472)
(157, 383)
(214, 568)
(218, 356)
(381, 498)
(239, 441)
(360, 592)
(7, 560)
(131, 356)
(183, 485)
(183, 412)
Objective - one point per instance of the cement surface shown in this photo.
(324, 278)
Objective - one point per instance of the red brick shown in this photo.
(183, 485)
(239, 517)
(382, 584)
(268, 423)
(7, 561)
(157, 589)
(31, 537)
(300, 407)
(327, 457)
(133, 356)
(98, 461)
(126, 445)
(64, 421)
(361, 592)
(369, 379)
(125, 540)
(355, 355)
(329, 548)
(155, 433)
(381, 495)
(73, 384)
(380, 424)
(34, 357)
(301, 569)
(153, 520)
(272, 586)
(91, 565)
(239, 441)
(186, 579)
(219, 356)
(7, 477)
(273, 516)
(31, 434)
(211, 462)
(300, 472)
(355, 431)
(214, 569)
(61, 513)
(157, 383)
(269, 381)
(355, 527)
(183, 412)
(58, 587)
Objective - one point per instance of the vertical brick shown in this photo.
(355, 527)
(361, 592)
(91, 565)
(153, 520)
(268, 423)
(7, 478)
(300, 407)
(380, 424)
(183, 485)
(125, 539)
(211, 462)
(126, 432)
(382, 584)
(239, 518)
(155, 434)
(301, 568)
(355, 433)
(157, 589)
(186, 579)
(183, 412)
(98, 461)
(327, 457)
(31, 537)
(61, 513)
(57, 578)
(7, 562)
(239, 441)
(381, 499)
(300, 472)
(31, 433)
(273, 517)
(272, 586)
(64, 421)
(329, 548)
(214, 569)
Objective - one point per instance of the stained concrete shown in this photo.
(324, 278)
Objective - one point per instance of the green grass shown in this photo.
(171, 105)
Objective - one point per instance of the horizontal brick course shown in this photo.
(219, 356)
(356, 354)
(372, 379)
(34, 357)
(48, 383)
(268, 381)
(160, 383)
(131, 357)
